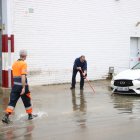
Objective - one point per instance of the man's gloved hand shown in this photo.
(79, 68)
(84, 75)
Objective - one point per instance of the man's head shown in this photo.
(23, 54)
(82, 58)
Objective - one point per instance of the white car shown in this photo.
(127, 81)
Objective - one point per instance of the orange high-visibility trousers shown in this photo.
(15, 95)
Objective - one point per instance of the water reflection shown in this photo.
(8, 132)
(18, 128)
(125, 103)
(79, 107)
(4, 99)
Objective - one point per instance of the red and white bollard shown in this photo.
(7, 52)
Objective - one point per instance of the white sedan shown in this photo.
(127, 81)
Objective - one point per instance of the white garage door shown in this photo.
(134, 51)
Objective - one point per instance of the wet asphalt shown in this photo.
(65, 114)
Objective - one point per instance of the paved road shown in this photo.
(74, 115)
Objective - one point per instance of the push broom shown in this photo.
(88, 81)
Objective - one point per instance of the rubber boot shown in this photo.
(31, 116)
(6, 119)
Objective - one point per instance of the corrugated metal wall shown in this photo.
(55, 32)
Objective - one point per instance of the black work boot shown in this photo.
(72, 87)
(31, 116)
(6, 119)
(81, 88)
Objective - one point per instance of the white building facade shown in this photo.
(55, 32)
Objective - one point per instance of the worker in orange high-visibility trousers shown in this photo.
(20, 88)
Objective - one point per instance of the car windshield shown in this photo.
(137, 66)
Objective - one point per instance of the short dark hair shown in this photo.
(82, 56)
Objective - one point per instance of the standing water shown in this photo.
(65, 114)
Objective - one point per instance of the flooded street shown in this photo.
(65, 114)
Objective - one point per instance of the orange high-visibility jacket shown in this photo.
(19, 68)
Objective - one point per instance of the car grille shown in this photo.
(123, 83)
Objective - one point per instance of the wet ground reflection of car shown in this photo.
(127, 104)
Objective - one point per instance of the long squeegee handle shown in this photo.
(88, 81)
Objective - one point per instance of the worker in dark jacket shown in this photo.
(80, 65)
(20, 88)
